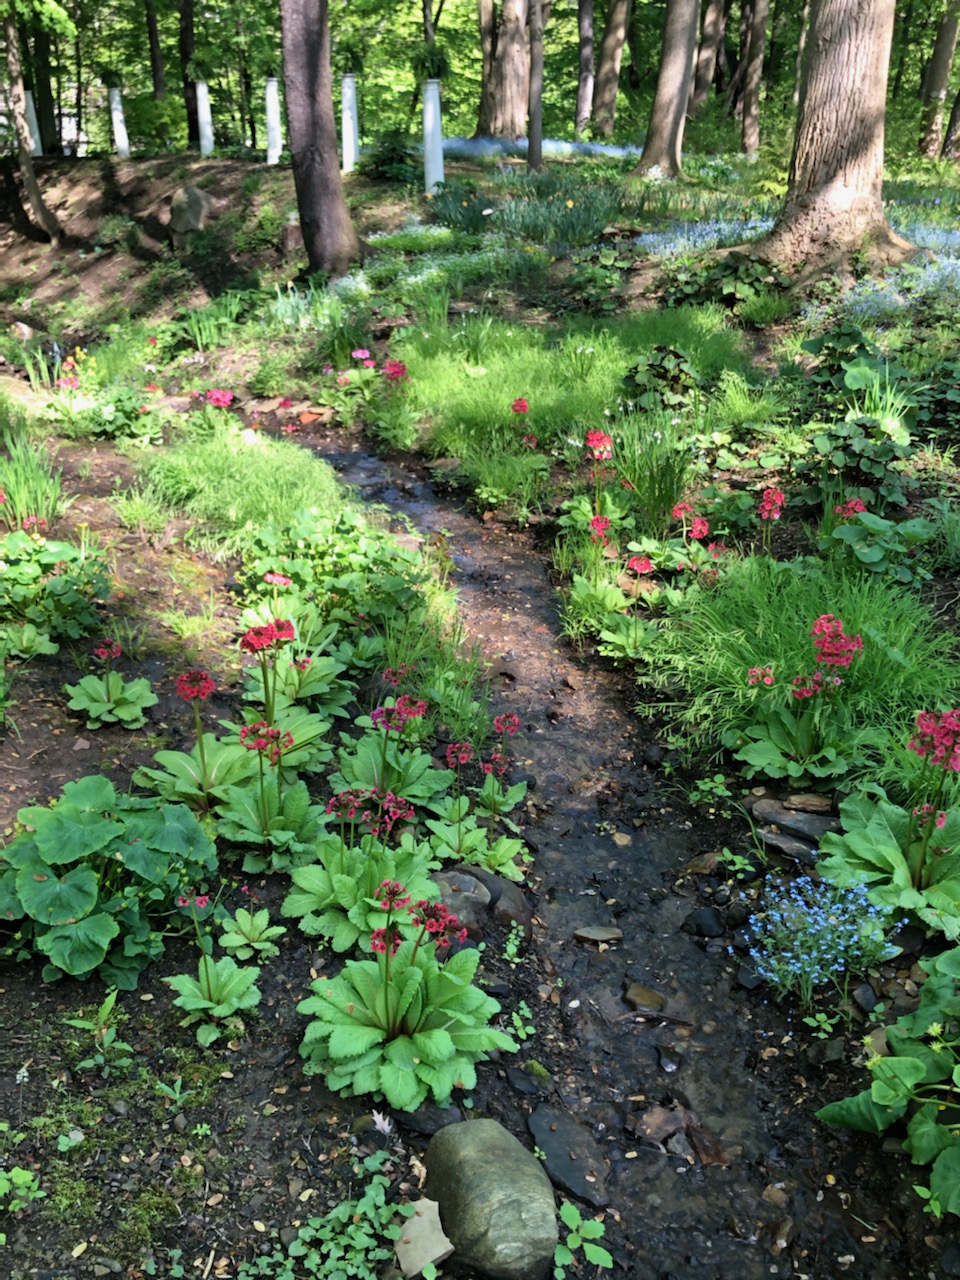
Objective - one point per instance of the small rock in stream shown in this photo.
(705, 922)
(598, 934)
(670, 1058)
(572, 1157)
(789, 846)
(638, 996)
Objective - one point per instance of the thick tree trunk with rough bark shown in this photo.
(664, 141)
(608, 67)
(43, 91)
(938, 81)
(18, 106)
(833, 208)
(585, 84)
(753, 75)
(156, 57)
(506, 70)
(328, 233)
(535, 145)
(714, 24)
(187, 47)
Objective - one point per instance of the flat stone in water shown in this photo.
(571, 1155)
(598, 933)
(810, 825)
(705, 922)
(638, 996)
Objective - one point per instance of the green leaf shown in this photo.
(350, 1040)
(925, 1137)
(53, 899)
(401, 1087)
(861, 1112)
(77, 949)
(945, 1179)
(570, 1215)
(596, 1254)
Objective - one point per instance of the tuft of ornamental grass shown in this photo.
(30, 484)
(760, 614)
(233, 482)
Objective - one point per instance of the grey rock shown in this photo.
(572, 1157)
(950, 1260)
(496, 1202)
(705, 922)
(811, 826)
(422, 1241)
(190, 210)
(508, 902)
(429, 1120)
(466, 897)
(598, 933)
(864, 997)
(789, 846)
(523, 1083)
(748, 979)
(809, 802)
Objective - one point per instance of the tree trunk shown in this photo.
(951, 139)
(78, 99)
(608, 67)
(43, 91)
(156, 57)
(585, 85)
(328, 233)
(833, 209)
(664, 140)
(937, 81)
(903, 44)
(511, 73)
(753, 77)
(187, 47)
(535, 144)
(18, 106)
(487, 14)
(713, 28)
(801, 50)
(734, 94)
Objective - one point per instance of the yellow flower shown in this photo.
(569, 204)
(465, 204)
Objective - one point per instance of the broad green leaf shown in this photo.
(893, 1078)
(945, 1179)
(77, 949)
(596, 1254)
(861, 1112)
(925, 1137)
(401, 1087)
(53, 899)
(350, 1040)
(67, 833)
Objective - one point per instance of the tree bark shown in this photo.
(511, 73)
(328, 234)
(937, 81)
(43, 91)
(801, 50)
(752, 78)
(710, 39)
(18, 106)
(156, 57)
(833, 209)
(487, 15)
(535, 136)
(585, 85)
(187, 48)
(664, 140)
(951, 139)
(608, 67)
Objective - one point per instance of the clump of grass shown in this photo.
(233, 482)
(30, 484)
(760, 614)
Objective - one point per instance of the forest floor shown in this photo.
(748, 1183)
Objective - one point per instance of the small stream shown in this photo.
(727, 1195)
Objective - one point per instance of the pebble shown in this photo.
(638, 996)
(705, 922)
(598, 933)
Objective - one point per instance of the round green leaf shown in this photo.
(77, 949)
(53, 899)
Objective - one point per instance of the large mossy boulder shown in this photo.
(496, 1202)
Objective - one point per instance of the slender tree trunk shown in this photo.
(328, 234)
(156, 56)
(713, 28)
(734, 94)
(429, 34)
(834, 208)
(18, 106)
(187, 48)
(247, 84)
(608, 67)
(938, 81)
(535, 109)
(801, 50)
(753, 77)
(903, 44)
(951, 139)
(78, 99)
(487, 14)
(664, 141)
(43, 91)
(585, 85)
